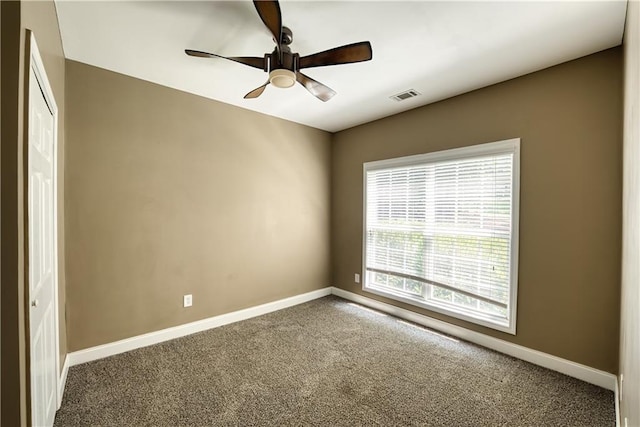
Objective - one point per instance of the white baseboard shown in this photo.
(567, 367)
(106, 350)
(62, 382)
(582, 372)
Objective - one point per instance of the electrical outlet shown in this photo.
(357, 278)
(188, 300)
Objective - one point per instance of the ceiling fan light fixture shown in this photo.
(282, 78)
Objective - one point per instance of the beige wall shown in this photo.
(39, 17)
(630, 309)
(170, 194)
(569, 119)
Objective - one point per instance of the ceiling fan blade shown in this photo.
(257, 91)
(269, 11)
(356, 52)
(251, 61)
(317, 89)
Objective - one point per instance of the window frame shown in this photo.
(492, 148)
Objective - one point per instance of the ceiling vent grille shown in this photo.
(411, 93)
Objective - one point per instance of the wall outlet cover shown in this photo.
(188, 300)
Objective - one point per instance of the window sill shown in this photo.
(508, 327)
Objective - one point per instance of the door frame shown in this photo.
(34, 62)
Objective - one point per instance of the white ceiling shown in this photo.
(440, 49)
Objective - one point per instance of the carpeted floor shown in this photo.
(325, 363)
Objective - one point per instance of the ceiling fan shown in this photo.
(284, 66)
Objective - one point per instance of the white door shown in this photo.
(42, 314)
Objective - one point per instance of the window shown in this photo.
(441, 231)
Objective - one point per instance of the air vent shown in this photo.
(411, 93)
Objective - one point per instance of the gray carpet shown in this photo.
(325, 363)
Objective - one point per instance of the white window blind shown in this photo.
(439, 230)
